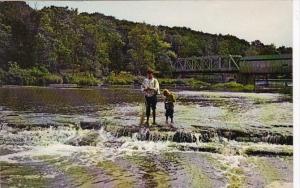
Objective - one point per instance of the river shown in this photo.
(92, 137)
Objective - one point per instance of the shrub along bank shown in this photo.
(34, 76)
(41, 77)
(200, 85)
(232, 86)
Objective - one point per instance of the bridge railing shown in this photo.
(212, 64)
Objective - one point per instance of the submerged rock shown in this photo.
(207, 134)
(209, 149)
(90, 125)
(124, 131)
(200, 134)
(181, 136)
(28, 126)
(89, 139)
(268, 152)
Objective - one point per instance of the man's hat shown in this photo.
(149, 71)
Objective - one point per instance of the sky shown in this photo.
(269, 21)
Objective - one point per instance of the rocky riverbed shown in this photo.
(93, 137)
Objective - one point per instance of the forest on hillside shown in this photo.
(61, 45)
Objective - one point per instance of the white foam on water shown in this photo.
(52, 150)
(145, 146)
(52, 142)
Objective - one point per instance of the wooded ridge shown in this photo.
(60, 45)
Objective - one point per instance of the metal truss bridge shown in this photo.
(234, 64)
(207, 64)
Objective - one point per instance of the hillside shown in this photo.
(58, 41)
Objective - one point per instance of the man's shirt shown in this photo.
(153, 85)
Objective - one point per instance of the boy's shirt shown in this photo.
(169, 100)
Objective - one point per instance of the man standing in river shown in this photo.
(150, 88)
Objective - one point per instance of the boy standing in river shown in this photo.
(169, 104)
(150, 88)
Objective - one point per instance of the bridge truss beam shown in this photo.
(207, 64)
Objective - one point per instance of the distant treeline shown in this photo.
(58, 41)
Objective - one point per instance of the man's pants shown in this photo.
(151, 103)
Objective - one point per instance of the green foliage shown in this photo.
(258, 48)
(169, 81)
(249, 87)
(148, 48)
(82, 80)
(51, 79)
(193, 83)
(122, 78)
(5, 41)
(3, 76)
(232, 86)
(197, 84)
(34, 76)
(19, 76)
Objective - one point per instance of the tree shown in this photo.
(147, 47)
(224, 48)
(5, 43)
(285, 50)
(45, 44)
(139, 42)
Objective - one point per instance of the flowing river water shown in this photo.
(93, 138)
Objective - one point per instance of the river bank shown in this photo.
(37, 77)
(225, 87)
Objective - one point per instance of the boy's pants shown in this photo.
(169, 109)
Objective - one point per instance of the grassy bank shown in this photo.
(232, 86)
(200, 85)
(42, 77)
(124, 78)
